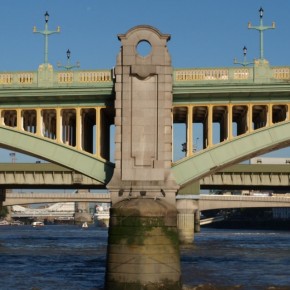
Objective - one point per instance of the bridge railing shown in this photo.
(226, 74)
(55, 78)
(281, 73)
(18, 78)
(82, 77)
(99, 77)
(212, 74)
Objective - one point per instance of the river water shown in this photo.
(69, 258)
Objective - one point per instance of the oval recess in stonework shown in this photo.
(144, 48)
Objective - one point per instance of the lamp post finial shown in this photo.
(46, 33)
(68, 66)
(261, 29)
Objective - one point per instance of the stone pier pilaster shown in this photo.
(143, 248)
(197, 221)
(2, 197)
(82, 213)
(186, 209)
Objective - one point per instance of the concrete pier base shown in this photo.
(186, 220)
(2, 197)
(197, 221)
(185, 225)
(143, 247)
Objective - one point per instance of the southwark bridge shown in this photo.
(64, 116)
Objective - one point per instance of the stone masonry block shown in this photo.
(144, 113)
(118, 121)
(118, 70)
(129, 60)
(158, 59)
(118, 79)
(129, 51)
(167, 121)
(118, 87)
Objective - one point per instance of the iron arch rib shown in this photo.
(56, 153)
(228, 153)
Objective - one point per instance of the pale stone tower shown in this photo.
(143, 247)
(143, 118)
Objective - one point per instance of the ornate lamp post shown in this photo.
(13, 157)
(184, 149)
(244, 63)
(46, 33)
(195, 148)
(68, 66)
(261, 29)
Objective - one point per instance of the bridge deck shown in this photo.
(205, 201)
(240, 176)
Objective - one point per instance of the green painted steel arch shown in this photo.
(228, 153)
(56, 153)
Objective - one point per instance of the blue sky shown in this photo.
(204, 33)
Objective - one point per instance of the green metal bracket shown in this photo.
(261, 29)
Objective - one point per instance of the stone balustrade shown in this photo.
(99, 77)
(195, 75)
(58, 78)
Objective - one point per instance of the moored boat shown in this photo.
(37, 224)
(85, 225)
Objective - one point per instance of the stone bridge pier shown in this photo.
(143, 246)
(188, 221)
(2, 197)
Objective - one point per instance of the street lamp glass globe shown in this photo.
(68, 54)
(261, 12)
(46, 16)
(245, 50)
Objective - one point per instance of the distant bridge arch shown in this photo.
(35, 198)
(241, 148)
(49, 150)
(209, 202)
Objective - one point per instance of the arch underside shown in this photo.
(56, 153)
(187, 170)
(227, 153)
